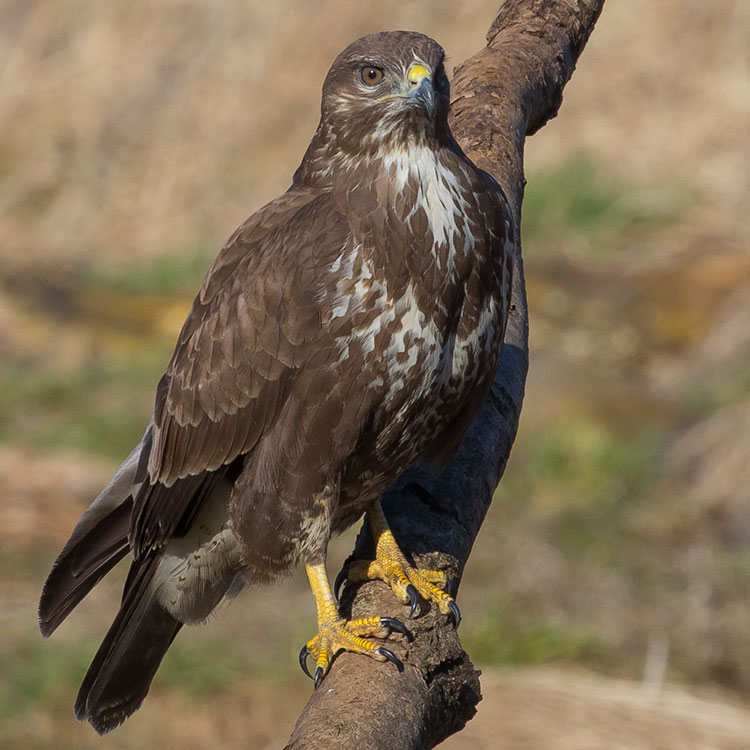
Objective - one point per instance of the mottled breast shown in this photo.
(429, 278)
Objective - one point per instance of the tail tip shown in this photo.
(103, 719)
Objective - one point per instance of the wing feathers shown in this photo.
(163, 511)
(82, 565)
(255, 323)
(98, 542)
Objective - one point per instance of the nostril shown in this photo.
(417, 73)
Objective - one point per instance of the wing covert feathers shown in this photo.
(253, 326)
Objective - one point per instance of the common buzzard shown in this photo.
(346, 329)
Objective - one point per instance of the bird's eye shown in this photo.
(371, 76)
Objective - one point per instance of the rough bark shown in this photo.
(506, 91)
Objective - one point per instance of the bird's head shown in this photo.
(384, 89)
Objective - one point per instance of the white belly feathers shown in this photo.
(195, 571)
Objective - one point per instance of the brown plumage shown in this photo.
(346, 329)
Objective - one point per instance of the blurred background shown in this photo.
(607, 599)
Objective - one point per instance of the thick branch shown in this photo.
(506, 91)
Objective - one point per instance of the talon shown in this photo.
(397, 626)
(336, 634)
(318, 677)
(390, 656)
(410, 584)
(411, 590)
(340, 581)
(455, 613)
(303, 654)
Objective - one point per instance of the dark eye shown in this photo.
(371, 76)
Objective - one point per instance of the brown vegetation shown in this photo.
(150, 131)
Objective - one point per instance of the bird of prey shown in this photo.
(346, 329)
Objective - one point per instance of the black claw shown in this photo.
(318, 677)
(455, 614)
(397, 625)
(413, 599)
(391, 657)
(303, 661)
(339, 582)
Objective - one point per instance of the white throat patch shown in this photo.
(439, 194)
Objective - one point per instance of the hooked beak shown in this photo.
(418, 88)
(423, 91)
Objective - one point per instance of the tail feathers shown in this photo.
(120, 675)
(81, 565)
(98, 542)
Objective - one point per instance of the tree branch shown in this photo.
(506, 91)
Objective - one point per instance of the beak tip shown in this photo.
(424, 92)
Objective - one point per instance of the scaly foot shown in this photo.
(390, 565)
(336, 634)
(349, 635)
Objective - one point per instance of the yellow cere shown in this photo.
(417, 73)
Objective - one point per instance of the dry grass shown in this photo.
(132, 129)
(661, 95)
(547, 709)
(134, 137)
(128, 130)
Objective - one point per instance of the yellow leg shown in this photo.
(336, 634)
(390, 565)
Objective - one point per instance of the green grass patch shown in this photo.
(499, 638)
(710, 395)
(200, 671)
(590, 459)
(37, 674)
(581, 481)
(734, 565)
(102, 407)
(583, 210)
(49, 675)
(174, 273)
(204, 662)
